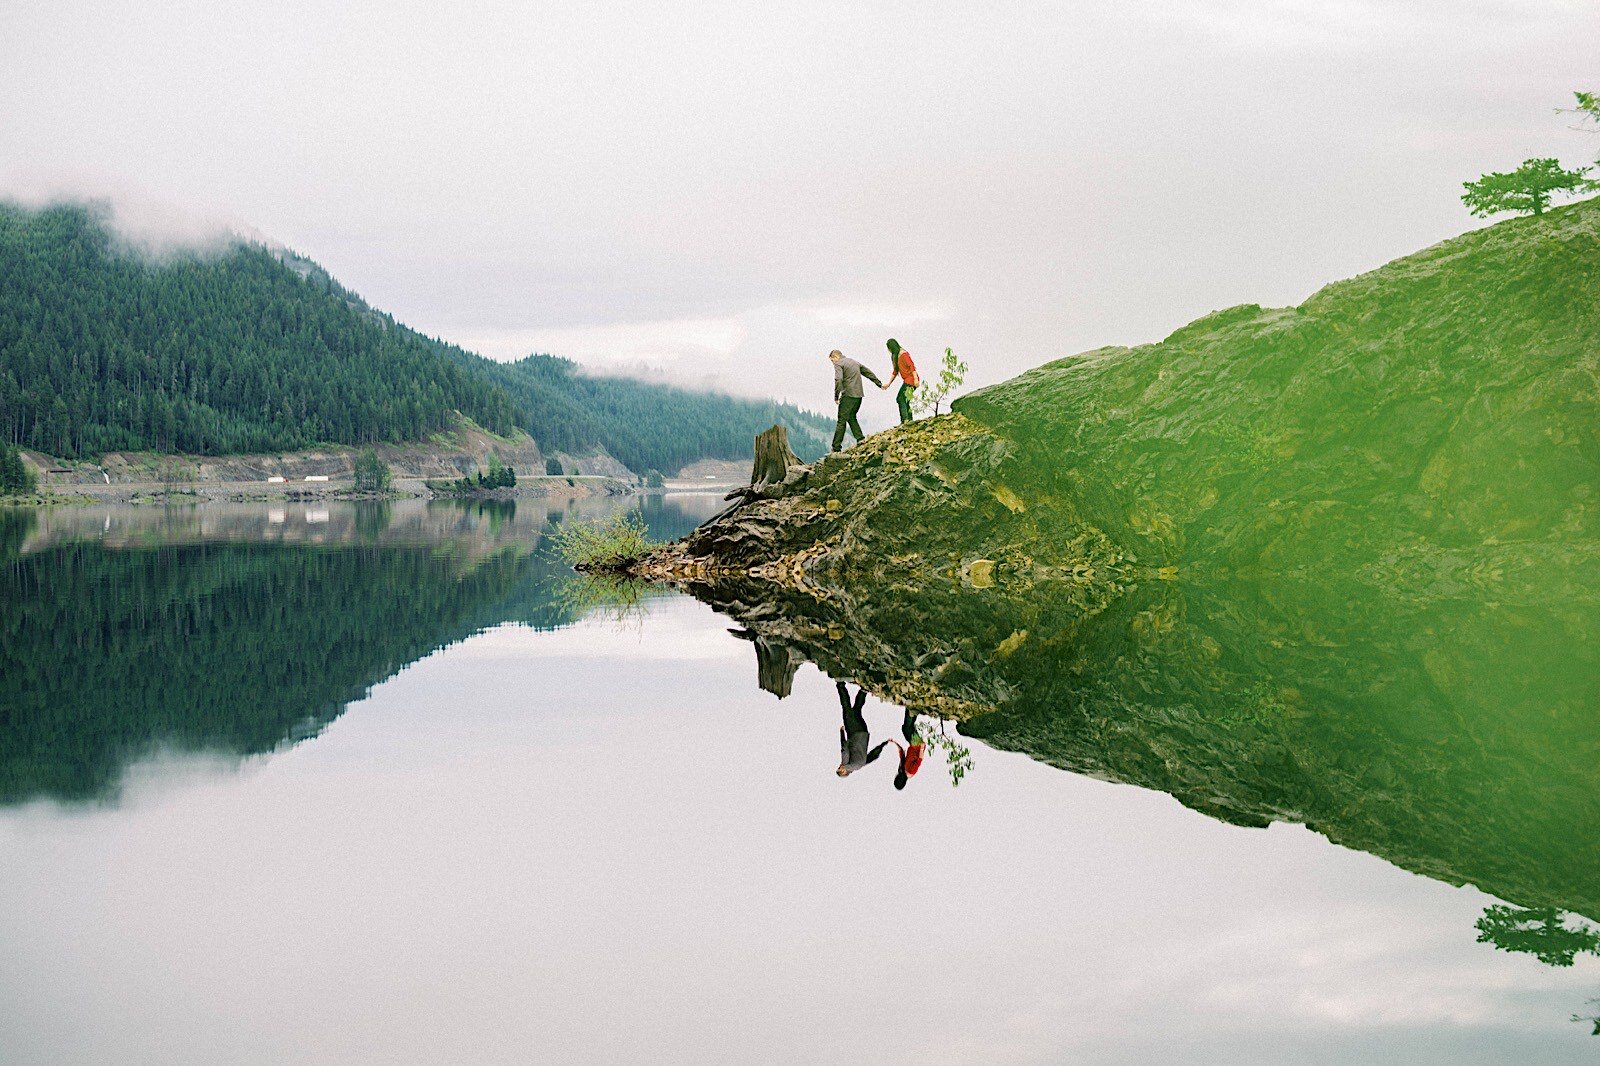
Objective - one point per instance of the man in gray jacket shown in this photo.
(847, 375)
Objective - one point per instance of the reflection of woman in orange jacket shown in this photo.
(910, 753)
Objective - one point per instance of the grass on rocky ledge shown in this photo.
(608, 544)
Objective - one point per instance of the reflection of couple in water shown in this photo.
(853, 739)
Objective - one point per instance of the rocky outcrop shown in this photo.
(1336, 564)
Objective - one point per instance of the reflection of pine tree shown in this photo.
(1594, 1018)
(205, 647)
(1542, 932)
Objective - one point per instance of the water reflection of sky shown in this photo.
(607, 844)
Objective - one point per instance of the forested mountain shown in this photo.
(645, 425)
(249, 349)
(101, 350)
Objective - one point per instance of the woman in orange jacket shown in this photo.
(906, 371)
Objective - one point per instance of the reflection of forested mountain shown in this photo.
(209, 648)
(232, 646)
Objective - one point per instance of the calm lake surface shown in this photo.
(377, 784)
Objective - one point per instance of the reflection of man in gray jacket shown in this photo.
(847, 374)
(853, 735)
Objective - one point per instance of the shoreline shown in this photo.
(154, 493)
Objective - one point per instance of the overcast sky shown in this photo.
(723, 191)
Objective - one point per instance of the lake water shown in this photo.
(326, 783)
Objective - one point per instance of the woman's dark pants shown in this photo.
(903, 398)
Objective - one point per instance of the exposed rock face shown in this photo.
(461, 452)
(1336, 564)
(722, 471)
(598, 463)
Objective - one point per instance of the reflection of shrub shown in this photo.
(617, 599)
(603, 545)
(957, 756)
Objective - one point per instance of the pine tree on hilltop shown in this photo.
(1526, 190)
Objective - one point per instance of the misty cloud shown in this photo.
(685, 189)
(143, 225)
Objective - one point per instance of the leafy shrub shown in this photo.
(606, 544)
(372, 473)
(930, 395)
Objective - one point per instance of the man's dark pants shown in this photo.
(848, 406)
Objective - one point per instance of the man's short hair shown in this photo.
(836, 354)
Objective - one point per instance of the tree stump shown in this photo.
(773, 458)
(776, 469)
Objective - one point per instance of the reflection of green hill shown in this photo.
(1446, 738)
(1336, 564)
(1452, 739)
